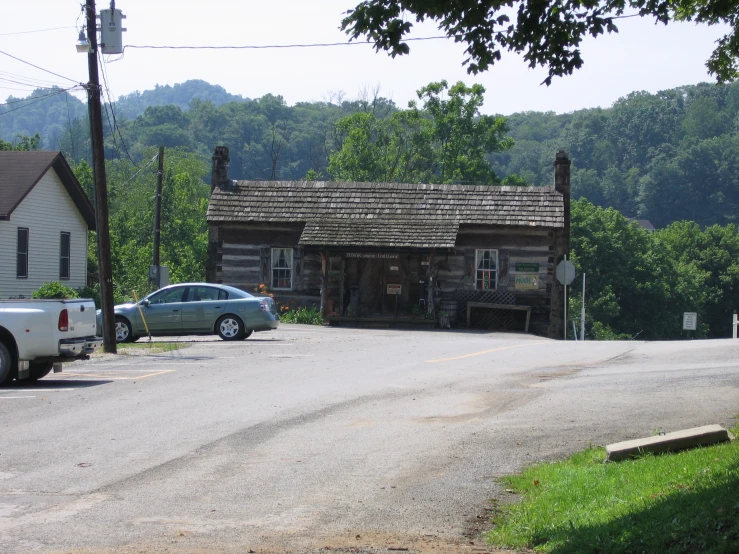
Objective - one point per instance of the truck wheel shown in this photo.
(123, 332)
(7, 366)
(39, 370)
(230, 327)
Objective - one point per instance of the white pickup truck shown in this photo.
(36, 336)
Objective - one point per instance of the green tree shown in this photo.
(714, 251)
(184, 229)
(445, 141)
(636, 286)
(83, 172)
(545, 33)
(394, 149)
(23, 143)
(461, 135)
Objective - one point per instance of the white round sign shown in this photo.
(565, 272)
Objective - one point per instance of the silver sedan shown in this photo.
(194, 309)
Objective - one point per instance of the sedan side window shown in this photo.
(167, 297)
(203, 294)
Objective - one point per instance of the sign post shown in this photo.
(582, 312)
(690, 322)
(395, 290)
(736, 325)
(565, 274)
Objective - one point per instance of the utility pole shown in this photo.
(156, 274)
(105, 265)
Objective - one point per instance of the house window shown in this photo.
(64, 254)
(282, 268)
(21, 260)
(486, 275)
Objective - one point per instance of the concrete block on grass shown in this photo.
(669, 442)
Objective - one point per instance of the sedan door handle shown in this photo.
(175, 310)
(217, 307)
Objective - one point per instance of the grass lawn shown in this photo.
(150, 347)
(672, 503)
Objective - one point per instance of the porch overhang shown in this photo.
(380, 233)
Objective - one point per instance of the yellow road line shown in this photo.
(479, 353)
(154, 374)
(104, 376)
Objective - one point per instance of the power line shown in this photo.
(37, 67)
(22, 89)
(112, 109)
(151, 161)
(32, 85)
(25, 78)
(71, 132)
(36, 31)
(272, 46)
(107, 114)
(35, 101)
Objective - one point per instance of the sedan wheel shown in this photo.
(123, 331)
(230, 327)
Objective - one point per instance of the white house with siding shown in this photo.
(44, 219)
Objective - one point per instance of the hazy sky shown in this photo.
(641, 57)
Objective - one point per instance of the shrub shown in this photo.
(55, 290)
(94, 293)
(308, 316)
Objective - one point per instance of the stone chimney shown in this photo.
(560, 244)
(219, 172)
(218, 179)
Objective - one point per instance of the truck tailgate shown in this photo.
(82, 318)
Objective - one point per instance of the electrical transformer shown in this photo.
(111, 31)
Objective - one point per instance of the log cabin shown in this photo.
(396, 253)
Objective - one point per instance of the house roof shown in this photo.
(384, 214)
(20, 171)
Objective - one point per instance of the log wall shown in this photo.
(243, 260)
(515, 245)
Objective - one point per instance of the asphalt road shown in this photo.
(309, 438)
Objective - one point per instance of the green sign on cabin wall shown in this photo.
(527, 282)
(527, 267)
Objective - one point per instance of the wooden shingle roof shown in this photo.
(380, 233)
(384, 214)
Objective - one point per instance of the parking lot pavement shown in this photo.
(307, 437)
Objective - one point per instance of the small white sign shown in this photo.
(394, 289)
(393, 268)
(690, 321)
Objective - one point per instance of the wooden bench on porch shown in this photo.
(489, 306)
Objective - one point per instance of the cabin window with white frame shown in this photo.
(282, 268)
(64, 255)
(486, 273)
(21, 259)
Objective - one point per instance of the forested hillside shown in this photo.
(665, 157)
(671, 157)
(53, 112)
(180, 95)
